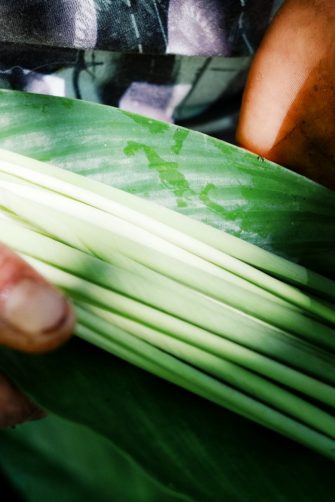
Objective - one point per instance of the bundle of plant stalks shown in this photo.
(231, 322)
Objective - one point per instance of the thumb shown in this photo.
(34, 316)
(288, 110)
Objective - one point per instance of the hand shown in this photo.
(34, 317)
(288, 111)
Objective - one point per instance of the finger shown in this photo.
(288, 111)
(34, 316)
(15, 408)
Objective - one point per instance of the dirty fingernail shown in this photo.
(34, 307)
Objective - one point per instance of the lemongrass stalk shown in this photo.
(206, 304)
(211, 285)
(75, 231)
(262, 338)
(148, 233)
(140, 211)
(245, 380)
(190, 337)
(98, 272)
(128, 347)
(121, 229)
(185, 271)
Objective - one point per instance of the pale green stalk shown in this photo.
(247, 381)
(164, 281)
(124, 345)
(104, 274)
(78, 231)
(169, 225)
(262, 338)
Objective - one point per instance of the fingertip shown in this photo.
(34, 316)
(16, 408)
(38, 340)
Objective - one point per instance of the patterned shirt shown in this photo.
(169, 59)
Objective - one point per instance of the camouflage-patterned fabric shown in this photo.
(170, 59)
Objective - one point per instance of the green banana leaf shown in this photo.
(40, 458)
(183, 443)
